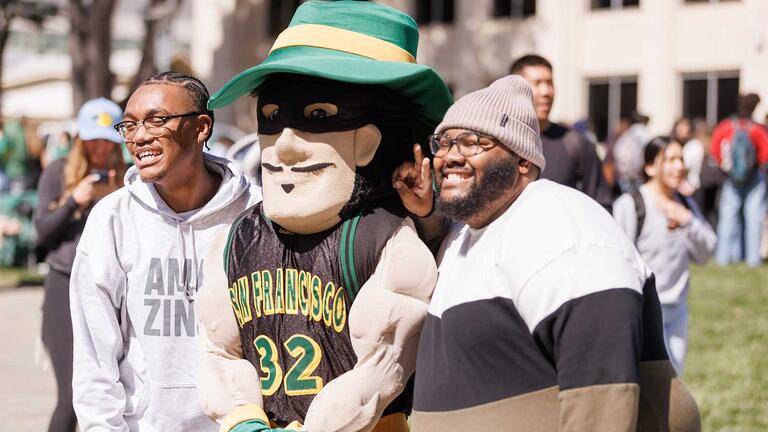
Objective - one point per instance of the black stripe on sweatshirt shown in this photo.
(594, 339)
(478, 352)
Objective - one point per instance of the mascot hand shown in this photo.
(257, 425)
(413, 182)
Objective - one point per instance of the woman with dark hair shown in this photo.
(669, 232)
(68, 189)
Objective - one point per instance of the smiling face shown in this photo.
(473, 188)
(99, 152)
(173, 151)
(668, 168)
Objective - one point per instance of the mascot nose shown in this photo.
(289, 148)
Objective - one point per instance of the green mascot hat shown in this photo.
(357, 42)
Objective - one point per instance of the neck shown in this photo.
(543, 125)
(656, 187)
(191, 190)
(497, 207)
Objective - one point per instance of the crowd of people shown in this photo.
(181, 292)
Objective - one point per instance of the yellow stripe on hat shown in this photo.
(323, 36)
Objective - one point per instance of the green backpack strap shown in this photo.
(347, 252)
(231, 236)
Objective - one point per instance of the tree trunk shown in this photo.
(6, 16)
(90, 46)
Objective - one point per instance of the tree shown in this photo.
(90, 46)
(34, 12)
(158, 13)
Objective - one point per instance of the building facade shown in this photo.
(664, 58)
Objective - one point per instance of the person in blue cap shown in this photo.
(314, 302)
(68, 189)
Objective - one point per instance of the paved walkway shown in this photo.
(28, 392)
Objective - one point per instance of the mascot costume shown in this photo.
(314, 300)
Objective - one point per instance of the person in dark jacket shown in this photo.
(571, 157)
(67, 190)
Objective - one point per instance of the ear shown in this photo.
(367, 140)
(650, 170)
(524, 166)
(204, 127)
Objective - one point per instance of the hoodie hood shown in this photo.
(233, 184)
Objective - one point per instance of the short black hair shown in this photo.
(747, 103)
(529, 60)
(198, 93)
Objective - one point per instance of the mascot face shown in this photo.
(314, 136)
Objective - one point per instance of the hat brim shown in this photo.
(417, 83)
(106, 133)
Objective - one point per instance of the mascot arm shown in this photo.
(385, 324)
(229, 386)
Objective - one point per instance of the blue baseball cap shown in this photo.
(97, 118)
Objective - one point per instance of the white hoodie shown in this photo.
(135, 355)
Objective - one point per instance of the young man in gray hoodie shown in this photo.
(139, 265)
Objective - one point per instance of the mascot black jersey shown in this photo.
(291, 295)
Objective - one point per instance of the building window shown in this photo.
(609, 100)
(434, 11)
(614, 4)
(280, 14)
(514, 8)
(712, 95)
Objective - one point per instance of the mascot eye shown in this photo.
(321, 110)
(270, 112)
(318, 114)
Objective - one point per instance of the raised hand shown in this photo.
(413, 182)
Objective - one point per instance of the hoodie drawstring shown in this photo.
(185, 271)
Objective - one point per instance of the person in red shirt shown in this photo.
(739, 238)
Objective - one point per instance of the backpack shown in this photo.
(637, 197)
(742, 155)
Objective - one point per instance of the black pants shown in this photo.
(57, 337)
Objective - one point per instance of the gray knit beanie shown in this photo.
(503, 110)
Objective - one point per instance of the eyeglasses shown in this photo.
(468, 143)
(154, 125)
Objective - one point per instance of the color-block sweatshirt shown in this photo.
(546, 319)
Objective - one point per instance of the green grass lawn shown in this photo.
(14, 277)
(727, 363)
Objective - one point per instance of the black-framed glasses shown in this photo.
(154, 125)
(468, 143)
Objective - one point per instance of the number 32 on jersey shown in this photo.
(299, 380)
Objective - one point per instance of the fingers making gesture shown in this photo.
(413, 182)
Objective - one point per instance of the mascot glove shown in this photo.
(259, 426)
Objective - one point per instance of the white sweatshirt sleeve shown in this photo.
(97, 301)
(700, 240)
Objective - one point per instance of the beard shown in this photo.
(497, 178)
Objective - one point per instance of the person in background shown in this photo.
(68, 189)
(693, 154)
(571, 157)
(669, 232)
(742, 199)
(13, 155)
(628, 153)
